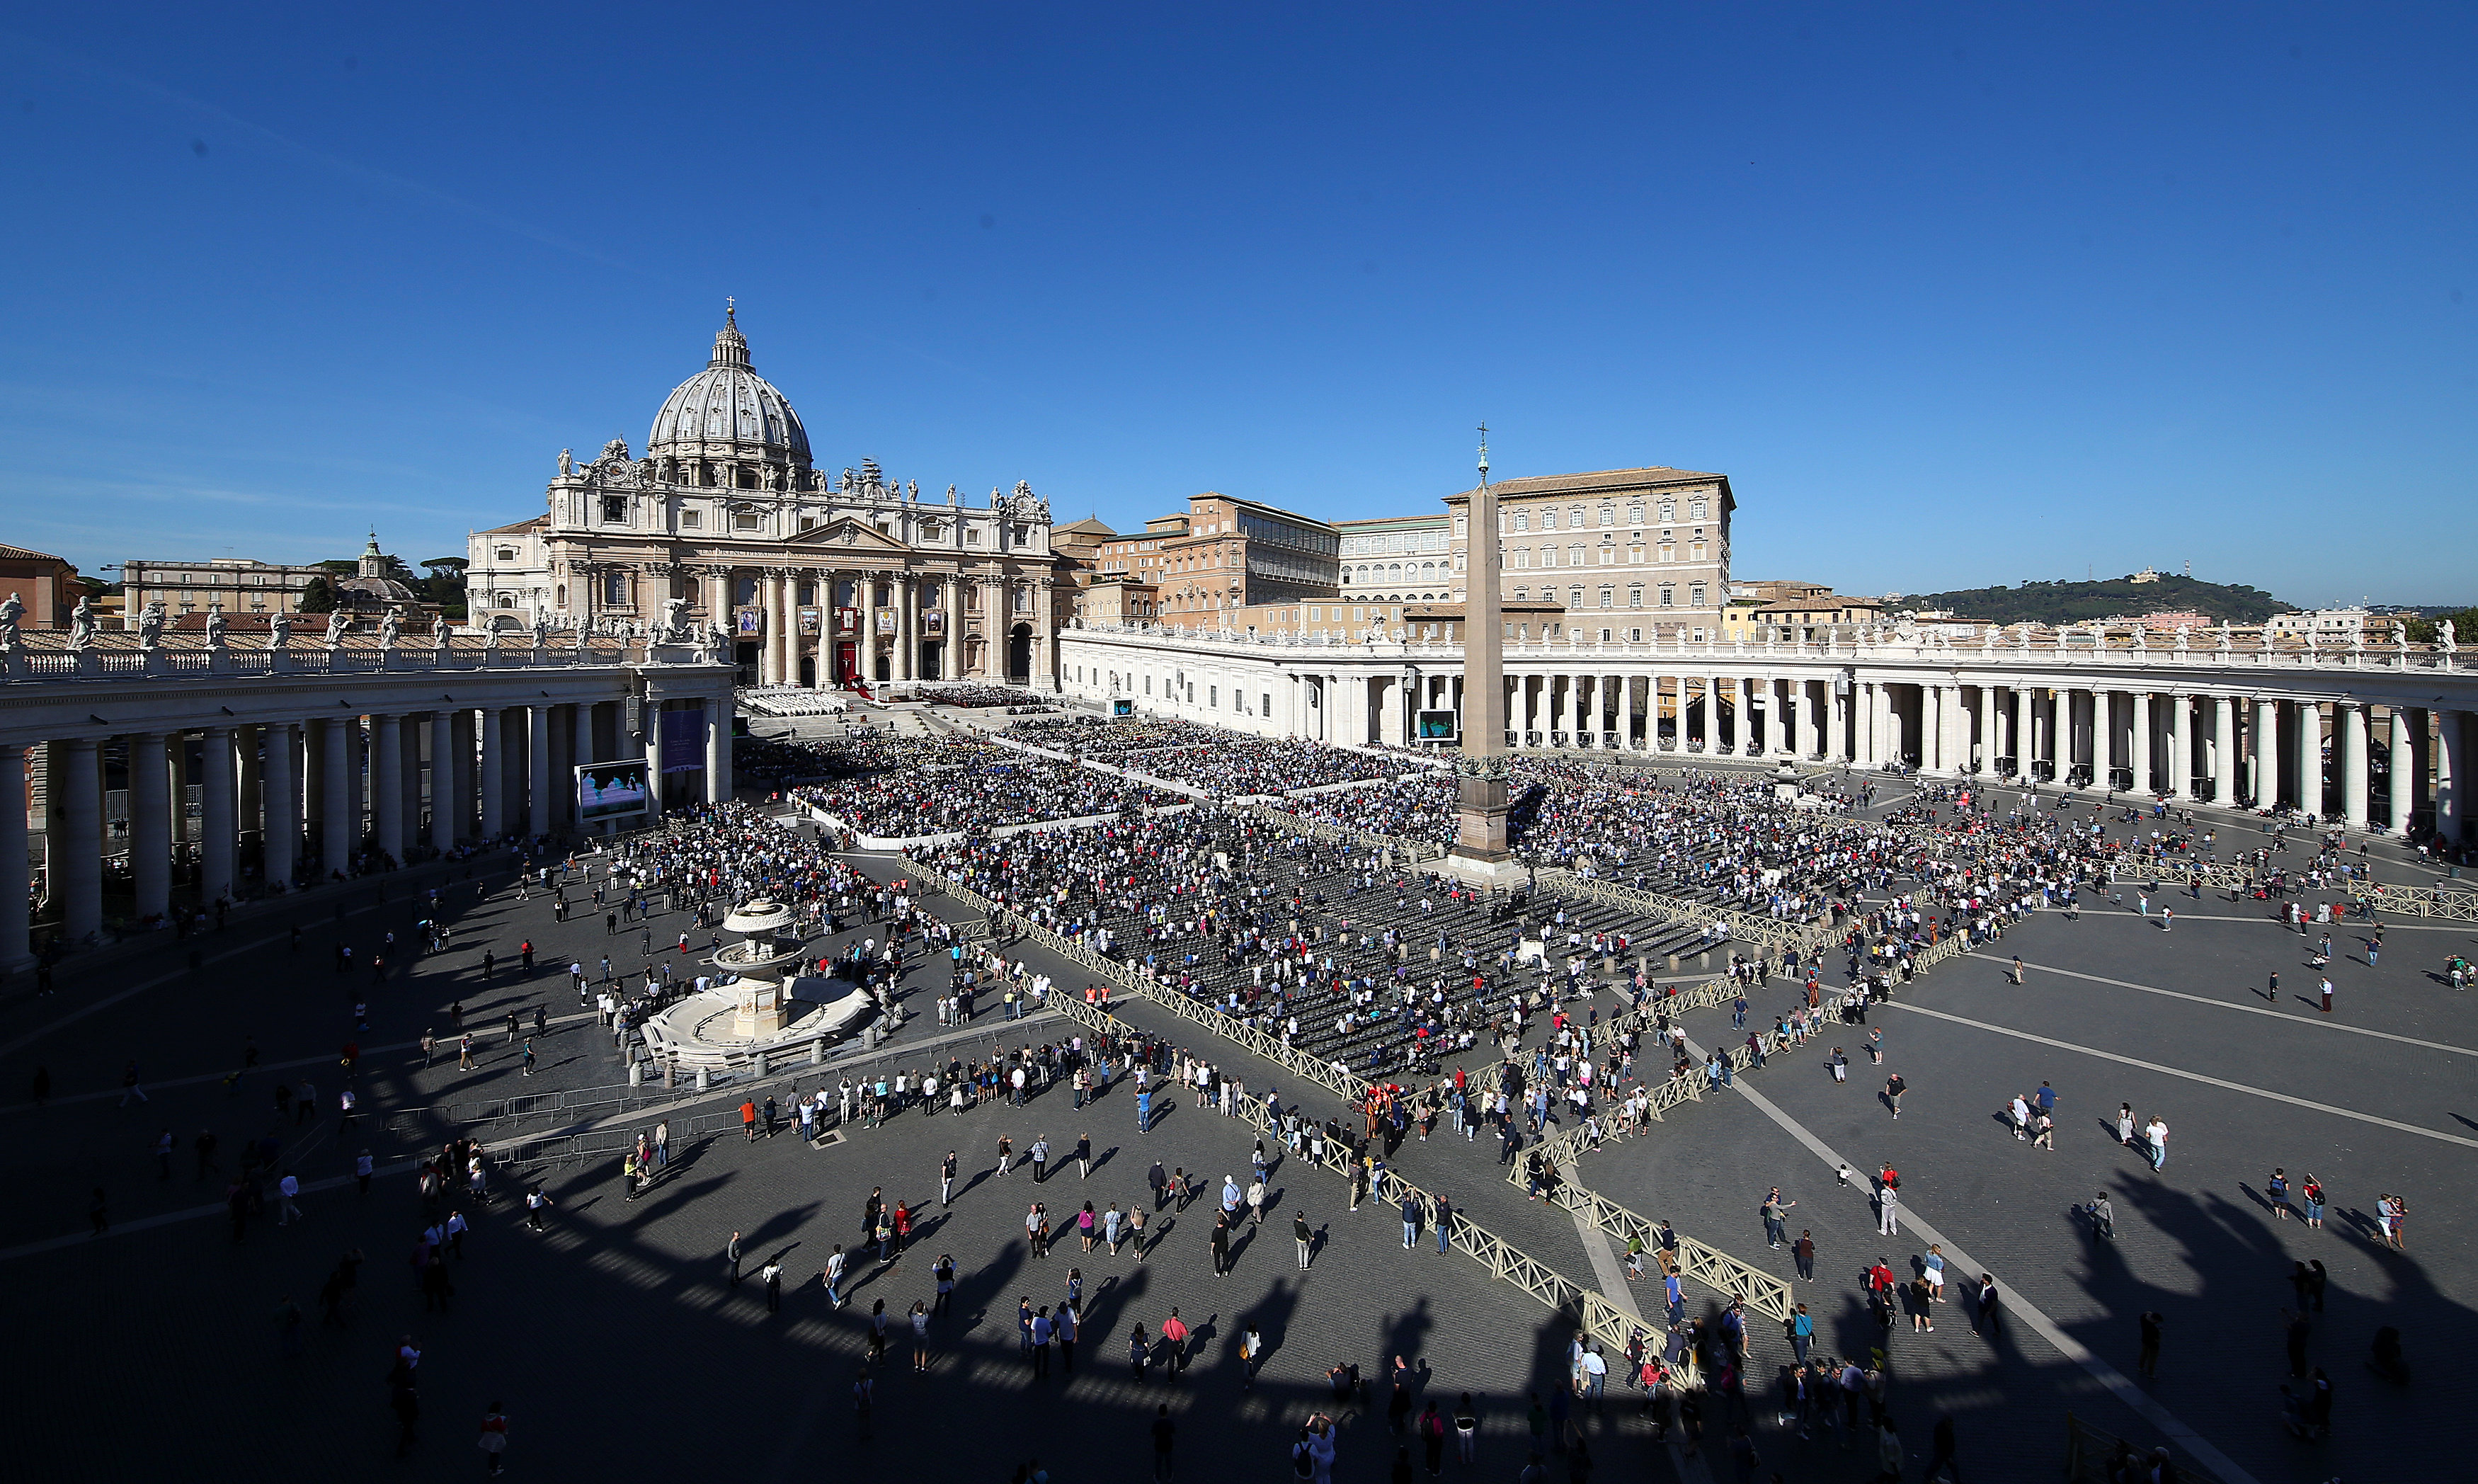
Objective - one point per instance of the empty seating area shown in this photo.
(1384, 973)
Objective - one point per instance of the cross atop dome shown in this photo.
(730, 346)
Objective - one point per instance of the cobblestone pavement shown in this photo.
(618, 1325)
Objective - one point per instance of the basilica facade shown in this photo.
(819, 579)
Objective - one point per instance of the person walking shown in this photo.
(494, 1442)
(1221, 1244)
(947, 1179)
(1894, 1088)
(773, 1276)
(2327, 996)
(1300, 1236)
(1174, 1334)
(731, 1255)
(1775, 1217)
(1888, 1210)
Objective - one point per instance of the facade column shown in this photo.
(2350, 747)
(218, 835)
(387, 785)
(770, 601)
(2103, 730)
(494, 773)
(338, 817)
(2404, 778)
(541, 802)
(77, 855)
(445, 806)
(2141, 756)
(16, 870)
(908, 648)
(2265, 745)
(150, 824)
(280, 784)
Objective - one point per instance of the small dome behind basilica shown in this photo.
(728, 409)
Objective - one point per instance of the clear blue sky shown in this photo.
(1956, 296)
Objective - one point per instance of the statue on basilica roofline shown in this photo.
(214, 625)
(10, 612)
(566, 462)
(150, 624)
(279, 631)
(391, 626)
(339, 619)
(82, 624)
(2446, 638)
(676, 620)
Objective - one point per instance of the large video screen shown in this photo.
(607, 791)
(1437, 725)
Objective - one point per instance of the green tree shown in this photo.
(319, 597)
(2464, 627)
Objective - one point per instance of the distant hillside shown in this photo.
(2078, 602)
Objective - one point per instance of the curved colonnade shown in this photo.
(2379, 738)
(238, 768)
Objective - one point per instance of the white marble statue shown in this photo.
(216, 626)
(675, 620)
(2446, 638)
(9, 613)
(2226, 643)
(338, 621)
(566, 461)
(150, 624)
(539, 627)
(390, 627)
(82, 624)
(2182, 630)
(279, 631)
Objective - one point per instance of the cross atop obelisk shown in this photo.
(1480, 853)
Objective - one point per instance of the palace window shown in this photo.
(614, 588)
(1668, 596)
(692, 520)
(1695, 596)
(1695, 511)
(745, 520)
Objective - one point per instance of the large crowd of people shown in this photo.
(907, 786)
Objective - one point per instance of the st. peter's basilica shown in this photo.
(818, 581)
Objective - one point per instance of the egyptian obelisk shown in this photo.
(1481, 854)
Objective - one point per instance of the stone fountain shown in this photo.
(751, 968)
(757, 1002)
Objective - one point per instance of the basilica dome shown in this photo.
(728, 411)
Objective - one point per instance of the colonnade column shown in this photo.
(2453, 780)
(494, 773)
(279, 792)
(2309, 756)
(2141, 758)
(2022, 735)
(2350, 747)
(338, 817)
(2224, 750)
(445, 807)
(150, 824)
(718, 749)
(2404, 777)
(387, 785)
(2181, 746)
(539, 814)
(217, 836)
(16, 872)
(2265, 749)
(77, 856)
